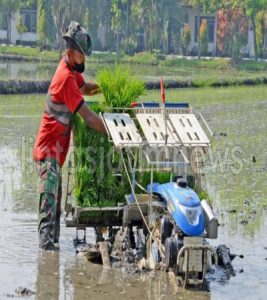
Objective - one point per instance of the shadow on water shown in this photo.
(238, 198)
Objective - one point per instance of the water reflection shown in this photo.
(10, 176)
(12, 70)
(65, 276)
(240, 198)
(48, 276)
(90, 281)
(26, 70)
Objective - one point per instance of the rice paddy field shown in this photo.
(236, 176)
(202, 73)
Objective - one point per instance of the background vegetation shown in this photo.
(147, 25)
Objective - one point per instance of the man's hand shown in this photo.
(91, 118)
(90, 89)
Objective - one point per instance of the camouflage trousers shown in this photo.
(50, 191)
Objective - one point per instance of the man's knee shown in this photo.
(47, 206)
(50, 177)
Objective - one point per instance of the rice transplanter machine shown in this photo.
(168, 138)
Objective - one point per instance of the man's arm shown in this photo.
(90, 88)
(91, 119)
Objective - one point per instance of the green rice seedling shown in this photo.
(96, 184)
(118, 87)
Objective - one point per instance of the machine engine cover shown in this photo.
(183, 205)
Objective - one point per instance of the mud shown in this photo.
(20, 292)
(65, 275)
(126, 250)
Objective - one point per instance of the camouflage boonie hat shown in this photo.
(81, 38)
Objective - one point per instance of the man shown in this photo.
(64, 100)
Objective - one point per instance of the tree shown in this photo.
(95, 14)
(41, 23)
(156, 23)
(118, 20)
(204, 43)
(60, 10)
(260, 31)
(205, 6)
(251, 9)
(12, 6)
(141, 12)
(232, 31)
(186, 37)
(21, 28)
(172, 24)
(105, 19)
(46, 26)
(65, 11)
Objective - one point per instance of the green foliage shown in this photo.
(30, 53)
(21, 28)
(206, 5)
(186, 37)
(204, 37)
(147, 58)
(252, 8)
(157, 55)
(235, 48)
(118, 87)
(252, 66)
(156, 23)
(41, 23)
(132, 26)
(204, 195)
(12, 6)
(15, 5)
(128, 46)
(95, 183)
(232, 31)
(46, 26)
(95, 162)
(261, 22)
(218, 64)
(158, 177)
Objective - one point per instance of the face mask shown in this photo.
(79, 67)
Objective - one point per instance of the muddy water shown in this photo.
(12, 70)
(44, 71)
(236, 184)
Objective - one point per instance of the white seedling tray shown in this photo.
(122, 130)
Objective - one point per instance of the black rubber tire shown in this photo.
(171, 252)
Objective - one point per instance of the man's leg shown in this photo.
(58, 212)
(46, 221)
(49, 182)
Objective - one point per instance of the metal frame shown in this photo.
(132, 139)
(186, 250)
(165, 118)
(165, 124)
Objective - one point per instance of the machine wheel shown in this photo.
(171, 252)
(165, 229)
(132, 238)
(205, 285)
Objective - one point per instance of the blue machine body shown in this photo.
(184, 206)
